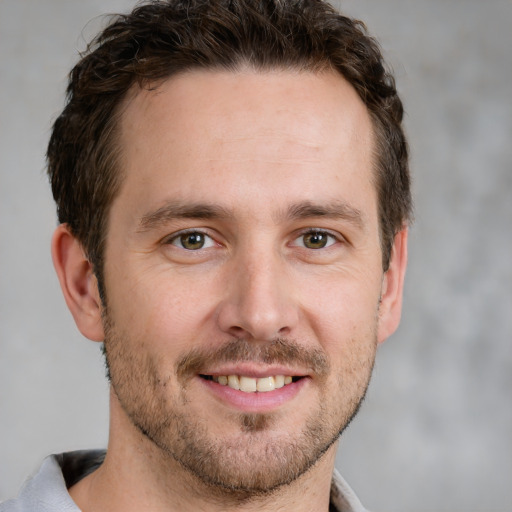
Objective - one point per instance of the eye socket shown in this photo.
(192, 240)
(315, 239)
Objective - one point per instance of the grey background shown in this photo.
(435, 431)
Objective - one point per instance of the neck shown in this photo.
(136, 475)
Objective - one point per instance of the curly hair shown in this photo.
(159, 39)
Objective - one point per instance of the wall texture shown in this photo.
(435, 431)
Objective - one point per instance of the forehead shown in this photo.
(244, 132)
(305, 103)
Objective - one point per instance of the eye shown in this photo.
(192, 240)
(315, 239)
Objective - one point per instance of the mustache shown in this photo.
(277, 351)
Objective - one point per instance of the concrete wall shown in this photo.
(435, 431)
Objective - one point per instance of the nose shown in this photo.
(259, 303)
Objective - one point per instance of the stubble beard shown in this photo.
(260, 457)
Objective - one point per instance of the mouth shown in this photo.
(248, 384)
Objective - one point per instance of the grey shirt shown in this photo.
(47, 490)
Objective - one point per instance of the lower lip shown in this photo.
(255, 402)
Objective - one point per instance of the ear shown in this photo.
(78, 283)
(390, 308)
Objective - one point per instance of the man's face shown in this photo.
(243, 251)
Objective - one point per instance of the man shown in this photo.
(232, 185)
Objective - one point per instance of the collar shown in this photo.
(47, 491)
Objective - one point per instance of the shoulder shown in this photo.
(47, 490)
(343, 498)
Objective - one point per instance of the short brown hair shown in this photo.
(162, 38)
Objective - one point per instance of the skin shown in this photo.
(273, 156)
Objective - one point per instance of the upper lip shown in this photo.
(254, 370)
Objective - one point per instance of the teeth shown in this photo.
(279, 381)
(251, 385)
(266, 384)
(234, 382)
(247, 384)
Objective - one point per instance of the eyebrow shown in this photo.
(179, 210)
(336, 209)
(204, 211)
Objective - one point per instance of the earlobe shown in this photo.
(78, 283)
(390, 308)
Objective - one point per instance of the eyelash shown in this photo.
(177, 236)
(331, 238)
(334, 238)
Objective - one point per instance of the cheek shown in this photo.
(344, 308)
(344, 322)
(165, 308)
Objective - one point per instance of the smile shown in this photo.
(251, 384)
